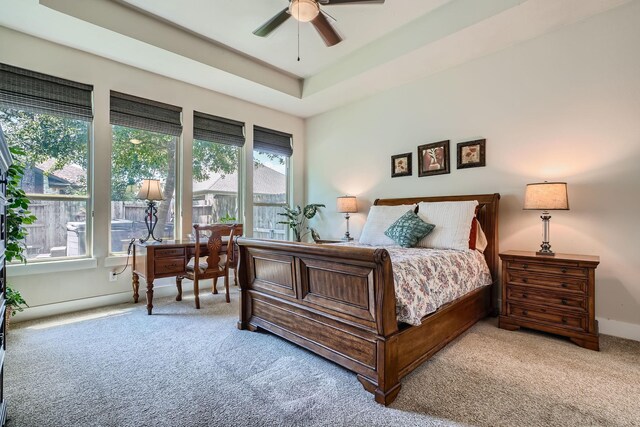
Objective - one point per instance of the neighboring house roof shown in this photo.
(69, 174)
(265, 181)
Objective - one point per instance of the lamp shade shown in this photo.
(347, 204)
(150, 190)
(546, 196)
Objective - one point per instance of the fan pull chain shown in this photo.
(298, 36)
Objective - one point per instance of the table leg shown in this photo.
(179, 286)
(149, 296)
(135, 282)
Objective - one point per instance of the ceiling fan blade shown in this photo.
(326, 31)
(273, 23)
(336, 2)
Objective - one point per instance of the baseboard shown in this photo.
(39, 312)
(619, 329)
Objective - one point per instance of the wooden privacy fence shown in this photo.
(60, 228)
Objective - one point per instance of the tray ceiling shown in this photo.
(209, 43)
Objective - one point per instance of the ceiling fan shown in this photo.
(309, 11)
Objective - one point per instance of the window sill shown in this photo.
(15, 270)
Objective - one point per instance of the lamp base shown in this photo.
(346, 238)
(546, 253)
(150, 220)
(545, 247)
(150, 236)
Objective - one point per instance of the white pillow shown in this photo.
(452, 221)
(379, 219)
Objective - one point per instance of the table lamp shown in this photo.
(347, 205)
(546, 196)
(151, 192)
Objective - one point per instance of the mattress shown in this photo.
(427, 279)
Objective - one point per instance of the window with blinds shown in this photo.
(272, 141)
(217, 142)
(49, 120)
(272, 150)
(144, 146)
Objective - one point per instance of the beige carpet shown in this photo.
(181, 367)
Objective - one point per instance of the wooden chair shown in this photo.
(214, 264)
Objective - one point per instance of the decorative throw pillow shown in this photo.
(473, 235)
(408, 230)
(378, 220)
(481, 240)
(453, 220)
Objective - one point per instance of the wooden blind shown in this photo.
(272, 141)
(141, 113)
(43, 94)
(218, 129)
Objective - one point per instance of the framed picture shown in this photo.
(471, 154)
(433, 159)
(401, 165)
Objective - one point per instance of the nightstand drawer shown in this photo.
(538, 314)
(562, 270)
(553, 282)
(558, 299)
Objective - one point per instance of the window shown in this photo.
(272, 150)
(144, 146)
(216, 149)
(49, 120)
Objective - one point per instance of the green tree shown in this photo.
(150, 155)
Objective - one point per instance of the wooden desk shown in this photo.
(155, 260)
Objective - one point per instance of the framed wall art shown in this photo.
(471, 154)
(401, 165)
(433, 159)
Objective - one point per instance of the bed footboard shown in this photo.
(337, 302)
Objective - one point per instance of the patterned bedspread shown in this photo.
(426, 279)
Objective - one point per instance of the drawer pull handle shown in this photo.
(525, 266)
(564, 270)
(525, 296)
(525, 313)
(564, 301)
(564, 285)
(525, 280)
(564, 320)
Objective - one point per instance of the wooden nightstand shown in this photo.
(552, 294)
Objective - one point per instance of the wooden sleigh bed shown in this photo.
(340, 302)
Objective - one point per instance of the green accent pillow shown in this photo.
(408, 230)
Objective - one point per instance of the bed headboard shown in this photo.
(487, 216)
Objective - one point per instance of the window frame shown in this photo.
(177, 191)
(88, 198)
(287, 195)
(241, 179)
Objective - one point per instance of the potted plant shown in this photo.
(297, 219)
(18, 215)
(15, 303)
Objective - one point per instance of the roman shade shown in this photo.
(141, 113)
(217, 129)
(43, 94)
(272, 141)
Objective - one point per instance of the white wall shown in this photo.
(565, 106)
(54, 292)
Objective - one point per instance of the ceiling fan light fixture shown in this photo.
(304, 10)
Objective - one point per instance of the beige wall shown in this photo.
(53, 292)
(565, 106)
